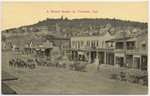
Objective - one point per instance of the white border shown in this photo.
(91, 1)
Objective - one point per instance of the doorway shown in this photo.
(110, 59)
(143, 62)
(137, 62)
(47, 52)
(101, 57)
(93, 56)
(120, 61)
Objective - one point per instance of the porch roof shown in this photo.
(122, 39)
(44, 48)
(98, 49)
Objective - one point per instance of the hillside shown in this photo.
(72, 27)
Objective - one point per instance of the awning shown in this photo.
(131, 39)
(120, 39)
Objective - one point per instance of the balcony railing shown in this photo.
(119, 50)
(143, 51)
(110, 47)
(137, 51)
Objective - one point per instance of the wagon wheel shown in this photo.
(119, 78)
(141, 82)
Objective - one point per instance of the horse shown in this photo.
(54, 63)
(62, 64)
(11, 62)
(72, 65)
(80, 66)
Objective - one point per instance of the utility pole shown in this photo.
(124, 42)
(60, 35)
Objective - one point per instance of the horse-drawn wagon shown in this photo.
(22, 64)
(30, 63)
(130, 75)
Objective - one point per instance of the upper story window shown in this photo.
(110, 44)
(119, 45)
(82, 43)
(93, 44)
(97, 43)
(130, 45)
(143, 44)
(88, 43)
(73, 43)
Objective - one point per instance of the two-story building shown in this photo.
(129, 52)
(88, 48)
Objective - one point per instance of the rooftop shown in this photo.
(121, 39)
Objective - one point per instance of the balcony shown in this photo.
(119, 50)
(137, 51)
(110, 47)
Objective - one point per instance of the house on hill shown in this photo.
(103, 30)
(136, 31)
(108, 25)
(118, 31)
(4, 46)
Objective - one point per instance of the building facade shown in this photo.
(128, 52)
(88, 48)
(39, 47)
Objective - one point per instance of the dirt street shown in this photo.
(52, 80)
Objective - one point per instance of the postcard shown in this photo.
(74, 47)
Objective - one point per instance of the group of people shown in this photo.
(47, 62)
(21, 63)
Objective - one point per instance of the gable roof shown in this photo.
(104, 29)
(121, 39)
(38, 41)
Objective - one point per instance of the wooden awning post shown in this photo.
(105, 57)
(89, 57)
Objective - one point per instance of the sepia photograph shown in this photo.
(74, 48)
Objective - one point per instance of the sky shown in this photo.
(15, 14)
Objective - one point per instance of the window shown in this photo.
(73, 43)
(111, 45)
(119, 45)
(143, 46)
(97, 43)
(82, 43)
(93, 44)
(79, 44)
(88, 43)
